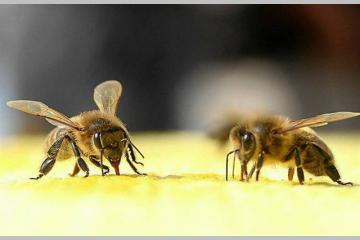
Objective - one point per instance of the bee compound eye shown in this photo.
(248, 141)
(97, 140)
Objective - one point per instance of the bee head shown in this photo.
(112, 143)
(244, 141)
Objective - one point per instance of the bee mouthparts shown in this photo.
(115, 163)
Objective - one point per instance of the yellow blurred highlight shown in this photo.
(184, 194)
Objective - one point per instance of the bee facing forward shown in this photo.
(93, 134)
(293, 143)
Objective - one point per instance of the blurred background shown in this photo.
(183, 67)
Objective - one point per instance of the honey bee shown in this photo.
(92, 134)
(275, 139)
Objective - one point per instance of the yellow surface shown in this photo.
(185, 194)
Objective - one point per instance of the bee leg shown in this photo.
(75, 171)
(330, 169)
(344, 183)
(46, 166)
(299, 170)
(94, 160)
(132, 165)
(132, 155)
(252, 170)
(83, 166)
(333, 173)
(49, 162)
(243, 173)
(291, 172)
(259, 164)
(80, 162)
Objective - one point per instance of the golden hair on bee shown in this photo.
(93, 134)
(276, 139)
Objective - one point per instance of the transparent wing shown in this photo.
(107, 95)
(40, 109)
(318, 121)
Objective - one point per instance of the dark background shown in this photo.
(181, 66)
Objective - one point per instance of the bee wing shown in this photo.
(40, 109)
(107, 95)
(317, 121)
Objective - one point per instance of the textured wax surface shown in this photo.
(184, 194)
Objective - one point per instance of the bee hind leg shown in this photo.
(333, 173)
(344, 183)
(331, 170)
(94, 160)
(45, 168)
(49, 162)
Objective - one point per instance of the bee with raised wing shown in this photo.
(275, 139)
(92, 134)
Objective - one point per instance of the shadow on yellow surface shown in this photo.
(184, 194)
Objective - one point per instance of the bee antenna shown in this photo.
(132, 144)
(136, 149)
(227, 161)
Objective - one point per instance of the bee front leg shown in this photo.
(243, 173)
(252, 170)
(299, 170)
(94, 160)
(132, 165)
(80, 162)
(49, 162)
